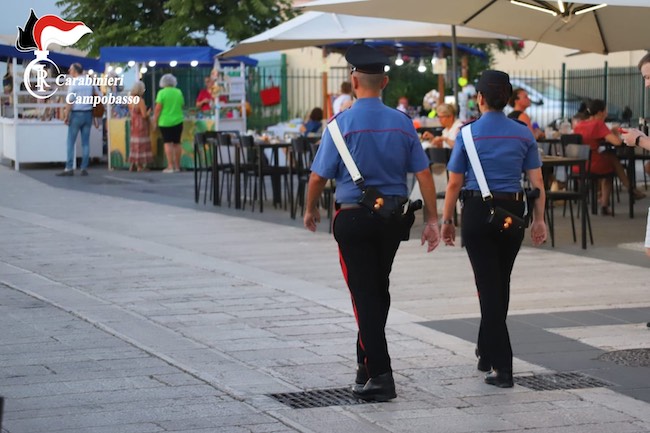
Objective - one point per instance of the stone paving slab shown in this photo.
(178, 320)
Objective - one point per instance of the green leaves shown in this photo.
(172, 22)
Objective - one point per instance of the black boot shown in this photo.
(501, 378)
(361, 379)
(483, 364)
(380, 388)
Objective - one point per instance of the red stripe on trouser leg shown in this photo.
(344, 269)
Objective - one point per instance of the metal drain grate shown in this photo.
(629, 357)
(318, 398)
(554, 381)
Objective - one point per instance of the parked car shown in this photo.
(546, 101)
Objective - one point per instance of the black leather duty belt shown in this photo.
(515, 196)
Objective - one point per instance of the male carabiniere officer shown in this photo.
(385, 147)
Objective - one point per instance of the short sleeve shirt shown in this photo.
(172, 102)
(452, 132)
(383, 144)
(78, 89)
(505, 147)
(593, 131)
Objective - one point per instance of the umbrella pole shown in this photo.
(454, 64)
(326, 103)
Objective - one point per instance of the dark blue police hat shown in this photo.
(366, 59)
(494, 83)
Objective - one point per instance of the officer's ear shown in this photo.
(384, 82)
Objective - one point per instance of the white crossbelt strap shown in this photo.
(335, 132)
(475, 161)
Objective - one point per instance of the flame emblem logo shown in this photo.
(37, 36)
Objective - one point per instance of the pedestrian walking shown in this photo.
(369, 225)
(487, 161)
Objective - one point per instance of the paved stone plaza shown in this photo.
(126, 308)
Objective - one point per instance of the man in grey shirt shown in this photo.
(79, 118)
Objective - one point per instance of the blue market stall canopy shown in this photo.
(182, 55)
(412, 49)
(63, 61)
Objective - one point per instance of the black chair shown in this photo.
(566, 139)
(328, 198)
(270, 166)
(302, 157)
(226, 147)
(594, 180)
(203, 150)
(248, 169)
(579, 151)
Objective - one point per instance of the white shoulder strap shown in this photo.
(335, 132)
(466, 132)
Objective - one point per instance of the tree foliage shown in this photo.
(172, 22)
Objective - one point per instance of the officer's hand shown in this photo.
(311, 219)
(431, 234)
(538, 232)
(449, 234)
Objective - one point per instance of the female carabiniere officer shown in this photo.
(385, 147)
(505, 148)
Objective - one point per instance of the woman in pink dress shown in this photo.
(140, 154)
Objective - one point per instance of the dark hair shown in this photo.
(515, 96)
(592, 106)
(346, 87)
(77, 67)
(495, 101)
(645, 59)
(316, 114)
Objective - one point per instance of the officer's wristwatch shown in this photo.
(638, 139)
(448, 221)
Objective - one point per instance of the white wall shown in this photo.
(544, 57)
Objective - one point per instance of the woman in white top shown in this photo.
(447, 115)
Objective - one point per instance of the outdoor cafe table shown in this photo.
(260, 148)
(275, 148)
(548, 163)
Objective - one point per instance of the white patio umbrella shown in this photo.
(619, 25)
(319, 28)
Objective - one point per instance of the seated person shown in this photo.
(519, 101)
(314, 123)
(204, 98)
(344, 99)
(403, 104)
(447, 116)
(594, 132)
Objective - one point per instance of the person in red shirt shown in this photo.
(204, 99)
(594, 132)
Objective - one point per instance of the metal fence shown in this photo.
(555, 94)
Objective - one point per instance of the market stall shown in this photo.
(228, 111)
(33, 131)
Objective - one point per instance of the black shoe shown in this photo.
(66, 173)
(84, 172)
(483, 364)
(500, 378)
(361, 379)
(380, 388)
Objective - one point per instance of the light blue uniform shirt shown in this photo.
(383, 144)
(505, 147)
